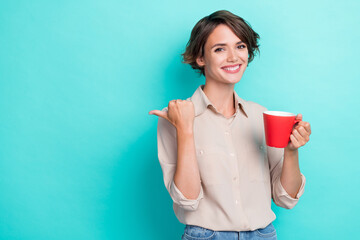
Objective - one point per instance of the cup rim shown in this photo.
(280, 113)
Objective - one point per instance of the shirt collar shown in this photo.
(201, 101)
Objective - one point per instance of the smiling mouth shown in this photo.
(233, 69)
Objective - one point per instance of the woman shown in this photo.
(216, 166)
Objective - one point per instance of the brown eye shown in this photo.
(216, 50)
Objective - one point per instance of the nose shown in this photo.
(232, 57)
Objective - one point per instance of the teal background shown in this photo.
(78, 151)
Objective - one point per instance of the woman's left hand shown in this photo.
(300, 134)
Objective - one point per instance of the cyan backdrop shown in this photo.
(78, 152)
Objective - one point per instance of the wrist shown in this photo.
(185, 130)
(291, 150)
(291, 153)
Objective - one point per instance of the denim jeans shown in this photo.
(198, 233)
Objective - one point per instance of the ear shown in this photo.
(200, 61)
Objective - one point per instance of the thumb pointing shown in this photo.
(159, 113)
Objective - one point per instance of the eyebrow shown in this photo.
(223, 44)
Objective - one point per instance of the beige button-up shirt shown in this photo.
(239, 173)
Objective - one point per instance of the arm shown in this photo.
(279, 169)
(176, 152)
(287, 182)
(187, 176)
(290, 175)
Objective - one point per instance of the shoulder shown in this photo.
(255, 106)
(255, 116)
(253, 109)
(250, 107)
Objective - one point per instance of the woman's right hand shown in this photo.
(180, 113)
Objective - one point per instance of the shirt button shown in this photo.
(201, 152)
(261, 147)
(232, 154)
(236, 201)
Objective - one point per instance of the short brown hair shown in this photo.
(204, 27)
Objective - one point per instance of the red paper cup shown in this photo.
(278, 127)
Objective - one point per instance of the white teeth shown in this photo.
(233, 68)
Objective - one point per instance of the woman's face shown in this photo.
(225, 56)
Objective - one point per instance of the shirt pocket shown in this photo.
(213, 166)
(257, 163)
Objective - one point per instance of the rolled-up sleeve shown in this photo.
(167, 154)
(279, 195)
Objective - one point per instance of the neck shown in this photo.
(221, 95)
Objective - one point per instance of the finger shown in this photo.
(172, 102)
(159, 113)
(298, 118)
(298, 137)
(306, 125)
(303, 133)
(294, 141)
